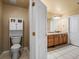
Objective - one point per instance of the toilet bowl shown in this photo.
(15, 51)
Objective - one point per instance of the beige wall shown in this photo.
(0, 25)
(13, 11)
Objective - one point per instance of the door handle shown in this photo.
(33, 34)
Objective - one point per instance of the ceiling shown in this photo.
(56, 7)
(21, 3)
(61, 7)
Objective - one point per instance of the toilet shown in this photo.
(15, 48)
(15, 34)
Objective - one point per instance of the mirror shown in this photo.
(58, 24)
(54, 24)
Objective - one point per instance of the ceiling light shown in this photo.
(56, 17)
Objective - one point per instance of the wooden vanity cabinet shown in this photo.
(57, 39)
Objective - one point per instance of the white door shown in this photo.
(74, 30)
(38, 30)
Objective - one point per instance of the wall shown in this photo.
(76, 12)
(0, 25)
(14, 11)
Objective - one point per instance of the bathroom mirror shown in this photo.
(58, 24)
(54, 24)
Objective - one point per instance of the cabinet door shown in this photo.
(50, 40)
(65, 38)
(60, 39)
(12, 24)
(19, 24)
(55, 39)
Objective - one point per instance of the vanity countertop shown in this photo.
(56, 33)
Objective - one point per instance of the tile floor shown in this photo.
(56, 47)
(7, 55)
(25, 54)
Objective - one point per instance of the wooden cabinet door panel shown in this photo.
(65, 38)
(60, 39)
(56, 40)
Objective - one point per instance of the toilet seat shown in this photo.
(15, 46)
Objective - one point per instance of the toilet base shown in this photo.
(15, 54)
(15, 51)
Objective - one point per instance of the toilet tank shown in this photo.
(16, 40)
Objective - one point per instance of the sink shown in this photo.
(55, 32)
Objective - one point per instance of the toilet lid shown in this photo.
(15, 46)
